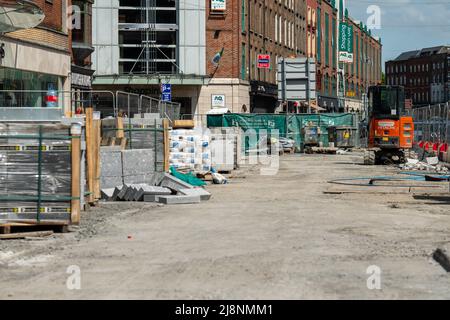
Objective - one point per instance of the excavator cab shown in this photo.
(391, 130)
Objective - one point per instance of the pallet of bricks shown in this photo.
(39, 178)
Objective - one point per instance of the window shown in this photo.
(319, 36)
(243, 12)
(327, 39)
(243, 62)
(276, 27)
(13, 81)
(334, 42)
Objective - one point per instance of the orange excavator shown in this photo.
(390, 130)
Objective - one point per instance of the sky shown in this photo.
(406, 24)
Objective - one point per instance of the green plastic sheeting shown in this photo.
(290, 127)
(189, 178)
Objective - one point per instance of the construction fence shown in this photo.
(287, 126)
(432, 123)
(42, 105)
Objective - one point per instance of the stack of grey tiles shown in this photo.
(120, 167)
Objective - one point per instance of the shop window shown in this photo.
(20, 89)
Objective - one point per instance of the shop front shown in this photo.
(34, 82)
(263, 97)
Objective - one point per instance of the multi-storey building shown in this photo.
(223, 53)
(37, 59)
(208, 50)
(251, 32)
(311, 22)
(424, 73)
(141, 44)
(80, 37)
(364, 71)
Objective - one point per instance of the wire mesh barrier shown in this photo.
(138, 134)
(432, 123)
(170, 110)
(128, 104)
(102, 101)
(149, 105)
(52, 105)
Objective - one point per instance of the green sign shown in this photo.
(345, 42)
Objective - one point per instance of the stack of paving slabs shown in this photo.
(119, 167)
(171, 190)
(141, 134)
(21, 185)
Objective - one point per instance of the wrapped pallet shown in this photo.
(190, 150)
(35, 171)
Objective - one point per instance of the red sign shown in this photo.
(263, 61)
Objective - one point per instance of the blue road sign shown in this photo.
(167, 97)
(166, 92)
(166, 88)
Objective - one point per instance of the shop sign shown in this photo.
(218, 101)
(218, 5)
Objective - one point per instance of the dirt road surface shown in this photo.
(289, 236)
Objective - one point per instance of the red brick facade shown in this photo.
(51, 31)
(223, 31)
(366, 67)
(248, 28)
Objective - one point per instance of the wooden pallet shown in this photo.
(21, 226)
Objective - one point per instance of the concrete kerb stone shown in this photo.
(151, 190)
(150, 198)
(202, 193)
(122, 192)
(116, 192)
(174, 183)
(179, 199)
(107, 193)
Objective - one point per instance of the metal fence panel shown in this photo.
(432, 123)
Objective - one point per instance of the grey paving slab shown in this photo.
(179, 199)
(137, 162)
(151, 190)
(174, 183)
(202, 193)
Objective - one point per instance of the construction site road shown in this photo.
(288, 236)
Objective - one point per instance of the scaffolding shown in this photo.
(143, 34)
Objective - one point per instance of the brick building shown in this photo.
(424, 73)
(311, 23)
(37, 59)
(364, 71)
(246, 30)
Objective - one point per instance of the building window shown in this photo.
(327, 39)
(276, 27)
(243, 62)
(243, 15)
(334, 42)
(319, 36)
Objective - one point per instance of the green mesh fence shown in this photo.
(289, 126)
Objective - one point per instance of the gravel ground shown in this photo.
(288, 236)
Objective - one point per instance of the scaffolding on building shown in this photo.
(143, 35)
